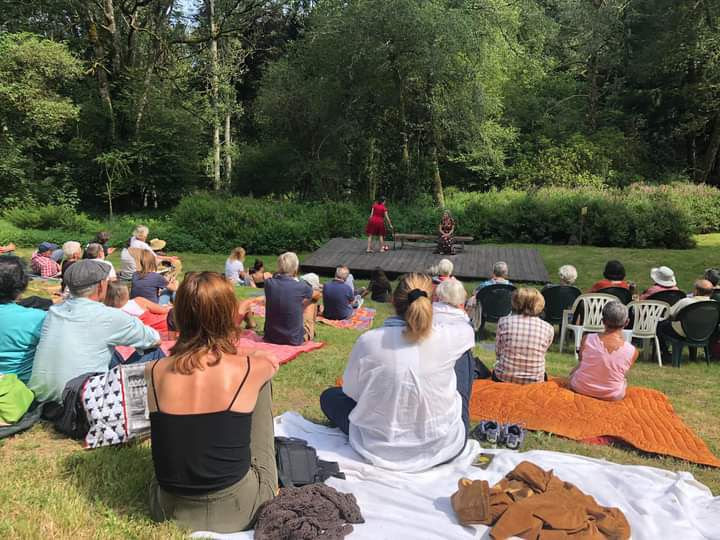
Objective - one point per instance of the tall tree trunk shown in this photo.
(403, 128)
(214, 83)
(711, 153)
(593, 93)
(111, 27)
(437, 179)
(103, 83)
(371, 169)
(228, 152)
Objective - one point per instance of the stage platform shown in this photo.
(474, 263)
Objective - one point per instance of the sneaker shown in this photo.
(513, 436)
(486, 430)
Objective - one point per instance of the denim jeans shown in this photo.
(166, 297)
(137, 358)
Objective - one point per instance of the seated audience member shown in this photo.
(399, 402)
(380, 287)
(338, 297)
(499, 276)
(211, 421)
(103, 238)
(445, 269)
(310, 312)
(129, 262)
(670, 327)
(258, 275)
(148, 284)
(449, 313)
(358, 293)
(19, 326)
(72, 252)
(613, 276)
(95, 252)
(7, 249)
(138, 241)
(151, 314)
(522, 340)
(79, 335)
(42, 262)
(663, 280)
(713, 276)
(286, 298)
(567, 274)
(235, 269)
(605, 358)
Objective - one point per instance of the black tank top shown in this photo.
(195, 454)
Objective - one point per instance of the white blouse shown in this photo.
(408, 412)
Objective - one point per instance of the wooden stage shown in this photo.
(474, 263)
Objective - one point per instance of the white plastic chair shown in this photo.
(593, 305)
(648, 313)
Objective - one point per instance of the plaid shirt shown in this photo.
(520, 349)
(44, 266)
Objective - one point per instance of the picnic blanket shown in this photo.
(248, 340)
(645, 419)
(656, 503)
(361, 319)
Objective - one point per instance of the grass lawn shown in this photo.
(51, 488)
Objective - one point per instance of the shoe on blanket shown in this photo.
(486, 430)
(512, 436)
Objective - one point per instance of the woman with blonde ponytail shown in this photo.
(399, 401)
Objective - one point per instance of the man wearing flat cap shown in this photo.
(79, 335)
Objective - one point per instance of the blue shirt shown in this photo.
(79, 336)
(284, 305)
(19, 335)
(148, 287)
(337, 297)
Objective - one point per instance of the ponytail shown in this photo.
(412, 303)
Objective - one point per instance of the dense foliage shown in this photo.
(639, 216)
(132, 105)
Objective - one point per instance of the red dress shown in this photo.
(376, 223)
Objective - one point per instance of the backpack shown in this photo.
(72, 420)
(298, 464)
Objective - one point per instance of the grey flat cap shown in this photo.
(85, 273)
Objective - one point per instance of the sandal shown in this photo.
(513, 436)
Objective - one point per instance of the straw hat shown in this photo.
(663, 276)
(156, 244)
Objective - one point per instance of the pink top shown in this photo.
(655, 288)
(601, 374)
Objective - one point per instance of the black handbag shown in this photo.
(298, 464)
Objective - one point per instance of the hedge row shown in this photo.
(639, 216)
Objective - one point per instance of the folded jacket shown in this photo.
(471, 501)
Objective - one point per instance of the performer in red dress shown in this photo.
(376, 224)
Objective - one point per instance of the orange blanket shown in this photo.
(645, 419)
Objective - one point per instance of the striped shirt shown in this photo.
(520, 349)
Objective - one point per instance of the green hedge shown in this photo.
(639, 216)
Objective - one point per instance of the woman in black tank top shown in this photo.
(210, 414)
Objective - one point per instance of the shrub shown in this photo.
(50, 217)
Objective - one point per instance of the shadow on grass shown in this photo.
(114, 477)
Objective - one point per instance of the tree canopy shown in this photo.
(127, 104)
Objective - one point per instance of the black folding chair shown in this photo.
(620, 293)
(558, 298)
(671, 297)
(699, 321)
(496, 303)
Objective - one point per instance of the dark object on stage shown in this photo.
(473, 264)
(671, 297)
(620, 293)
(557, 300)
(458, 241)
(496, 302)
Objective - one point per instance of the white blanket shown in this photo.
(657, 503)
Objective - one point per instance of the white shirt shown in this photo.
(233, 269)
(408, 413)
(135, 243)
(112, 276)
(677, 306)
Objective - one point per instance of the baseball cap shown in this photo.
(47, 246)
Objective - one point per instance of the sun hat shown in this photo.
(156, 244)
(311, 279)
(86, 272)
(663, 276)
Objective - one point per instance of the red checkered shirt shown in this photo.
(44, 266)
(520, 348)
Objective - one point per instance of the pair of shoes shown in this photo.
(511, 435)
(369, 251)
